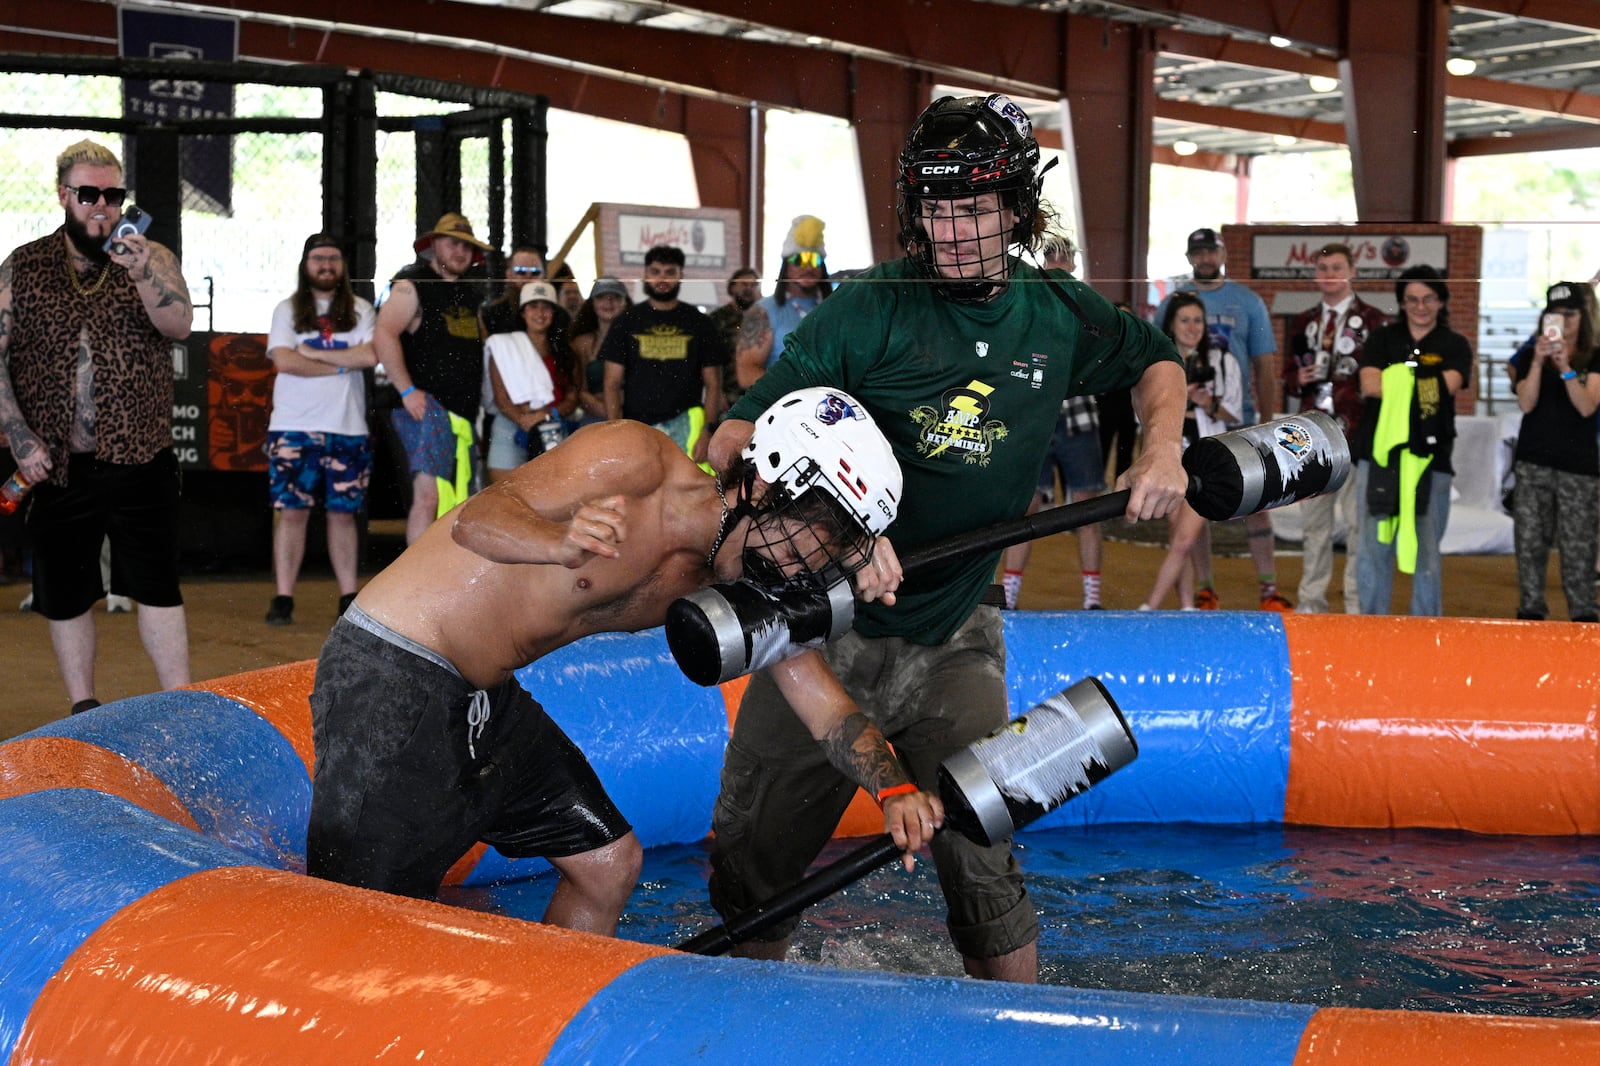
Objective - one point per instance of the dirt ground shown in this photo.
(227, 634)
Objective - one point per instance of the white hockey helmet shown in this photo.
(831, 466)
(823, 438)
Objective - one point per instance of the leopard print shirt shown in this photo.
(132, 360)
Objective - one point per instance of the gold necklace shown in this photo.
(77, 283)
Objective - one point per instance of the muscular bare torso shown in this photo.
(504, 580)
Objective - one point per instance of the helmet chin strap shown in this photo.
(741, 508)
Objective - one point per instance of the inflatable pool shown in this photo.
(155, 909)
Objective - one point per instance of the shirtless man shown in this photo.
(425, 741)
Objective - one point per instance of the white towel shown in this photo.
(522, 369)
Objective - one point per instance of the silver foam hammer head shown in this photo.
(1036, 762)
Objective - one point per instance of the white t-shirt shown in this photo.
(332, 403)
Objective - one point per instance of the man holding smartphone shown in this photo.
(86, 331)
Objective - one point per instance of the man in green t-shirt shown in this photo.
(962, 353)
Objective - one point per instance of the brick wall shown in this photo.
(1284, 298)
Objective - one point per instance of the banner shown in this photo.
(221, 401)
(207, 161)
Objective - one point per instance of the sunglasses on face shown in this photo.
(527, 270)
(90, 194)
(804, 259)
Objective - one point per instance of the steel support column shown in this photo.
(884, 101)
(1110, 87)
(1394, 84)
(719, 146)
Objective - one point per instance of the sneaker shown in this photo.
(1146, 607)
(1093, 607)
(345, 601)
(1188, 608)
(1206, 600)
(1587, 616)
(1529, 616)
(84, 705)
(1274, 602)
(118, 604)
(281, 613)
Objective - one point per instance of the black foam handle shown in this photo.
(1028, 527)
(796, 898)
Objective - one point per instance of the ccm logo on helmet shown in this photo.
(934, 170)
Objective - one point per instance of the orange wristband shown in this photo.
(895, 790)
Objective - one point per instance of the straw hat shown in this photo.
(451, 224)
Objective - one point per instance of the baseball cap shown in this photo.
(608, 286)
(1204, 238)
(1563, 295)
(538, 290)
(321, 240)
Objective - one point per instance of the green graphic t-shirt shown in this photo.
(968, 397)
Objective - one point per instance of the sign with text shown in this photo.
(1375, 256)
(709, 237)
(221, 401)
(207, 163)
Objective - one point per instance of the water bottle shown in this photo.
(13, 492)
(551, 432)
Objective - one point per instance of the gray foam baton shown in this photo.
(995, 785)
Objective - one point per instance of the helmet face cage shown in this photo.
(959, 150)
(804, 537)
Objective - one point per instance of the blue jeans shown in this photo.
(1375, 562)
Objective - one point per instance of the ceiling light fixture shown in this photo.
(1279, 42)
(1184, 148)
(1460, 66)
(1321, 83)
(1284, 140)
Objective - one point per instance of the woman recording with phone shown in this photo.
(1215, 399)
(1557, 460)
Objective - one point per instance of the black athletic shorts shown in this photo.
(136, 506)
(414, 765)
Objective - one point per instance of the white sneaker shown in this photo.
(27, 603)
(1146, 607)
(118, 604)
(1188, 608)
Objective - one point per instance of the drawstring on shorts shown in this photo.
(477, 718)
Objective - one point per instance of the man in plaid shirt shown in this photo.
(1075, 452)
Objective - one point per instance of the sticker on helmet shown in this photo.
(1007, 109)
(833, 409)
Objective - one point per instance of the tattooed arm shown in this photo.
(159, 282)
(33, 458)
(857, 749)
(752, 346)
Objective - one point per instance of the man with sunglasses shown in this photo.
(502, 312)
(87, 327)
(802, 285)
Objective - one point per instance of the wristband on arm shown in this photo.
(894, 790)
(408, 392)
(1569, 375)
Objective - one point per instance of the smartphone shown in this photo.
(1550, 325)
(134, 220)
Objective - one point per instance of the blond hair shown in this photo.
(86, 152)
